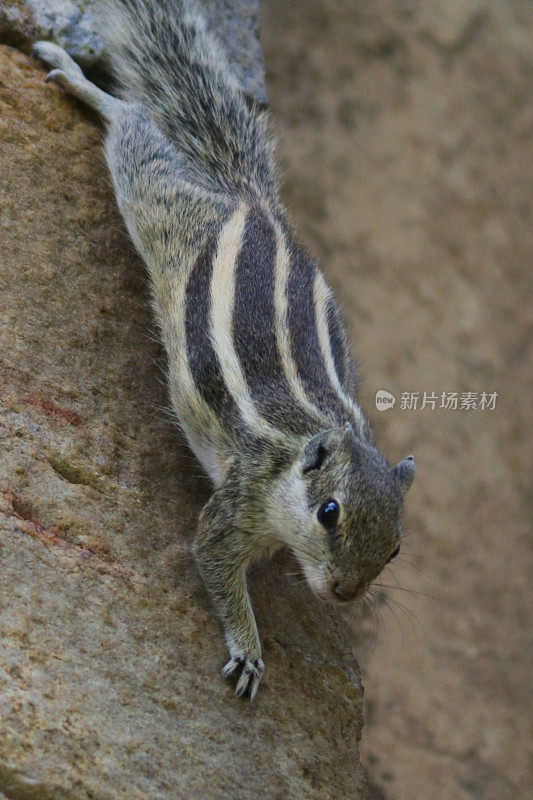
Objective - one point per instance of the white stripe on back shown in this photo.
(221, 319)
(321, 295)
(282, 269)
(198, 421)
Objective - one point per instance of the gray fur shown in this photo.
(260, 372)
(163, 56)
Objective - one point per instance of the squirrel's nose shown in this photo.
(347, 590)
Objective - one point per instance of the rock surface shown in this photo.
(109, 652)
(70, 23)
(73, 24)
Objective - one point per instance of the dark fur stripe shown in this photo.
(305, 345)
(203, 361)
(340, 350)
(254, 331)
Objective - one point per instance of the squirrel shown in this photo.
(260, 371)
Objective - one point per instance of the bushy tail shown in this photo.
(163, 57)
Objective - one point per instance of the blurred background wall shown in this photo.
(405, 133)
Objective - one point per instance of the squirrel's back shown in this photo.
(265, 343)
(260, 372)
(162, 56)
(263, 340)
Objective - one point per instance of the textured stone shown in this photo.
(70, 23)
(110, 655)
(237, 24)
(73, 24)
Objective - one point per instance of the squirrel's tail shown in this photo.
(163, 56)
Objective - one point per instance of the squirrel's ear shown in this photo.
(404, 472)
(317, 449)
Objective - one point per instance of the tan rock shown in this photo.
(109, 652)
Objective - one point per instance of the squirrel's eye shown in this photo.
(394, 554)
(328, 515)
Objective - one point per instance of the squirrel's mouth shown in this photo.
(338, 592)
(338, 598)
(334, 598)
(343, 594)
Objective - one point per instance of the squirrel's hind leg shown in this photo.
(69, 75)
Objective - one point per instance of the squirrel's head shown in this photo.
(338, 508)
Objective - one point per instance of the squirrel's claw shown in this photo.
(250, 677)
(55, 56)
(57, 76)
(66, 72)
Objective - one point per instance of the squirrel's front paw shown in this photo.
(56, 57)
(251, 673)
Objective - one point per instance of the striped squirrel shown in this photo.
(260, 372)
